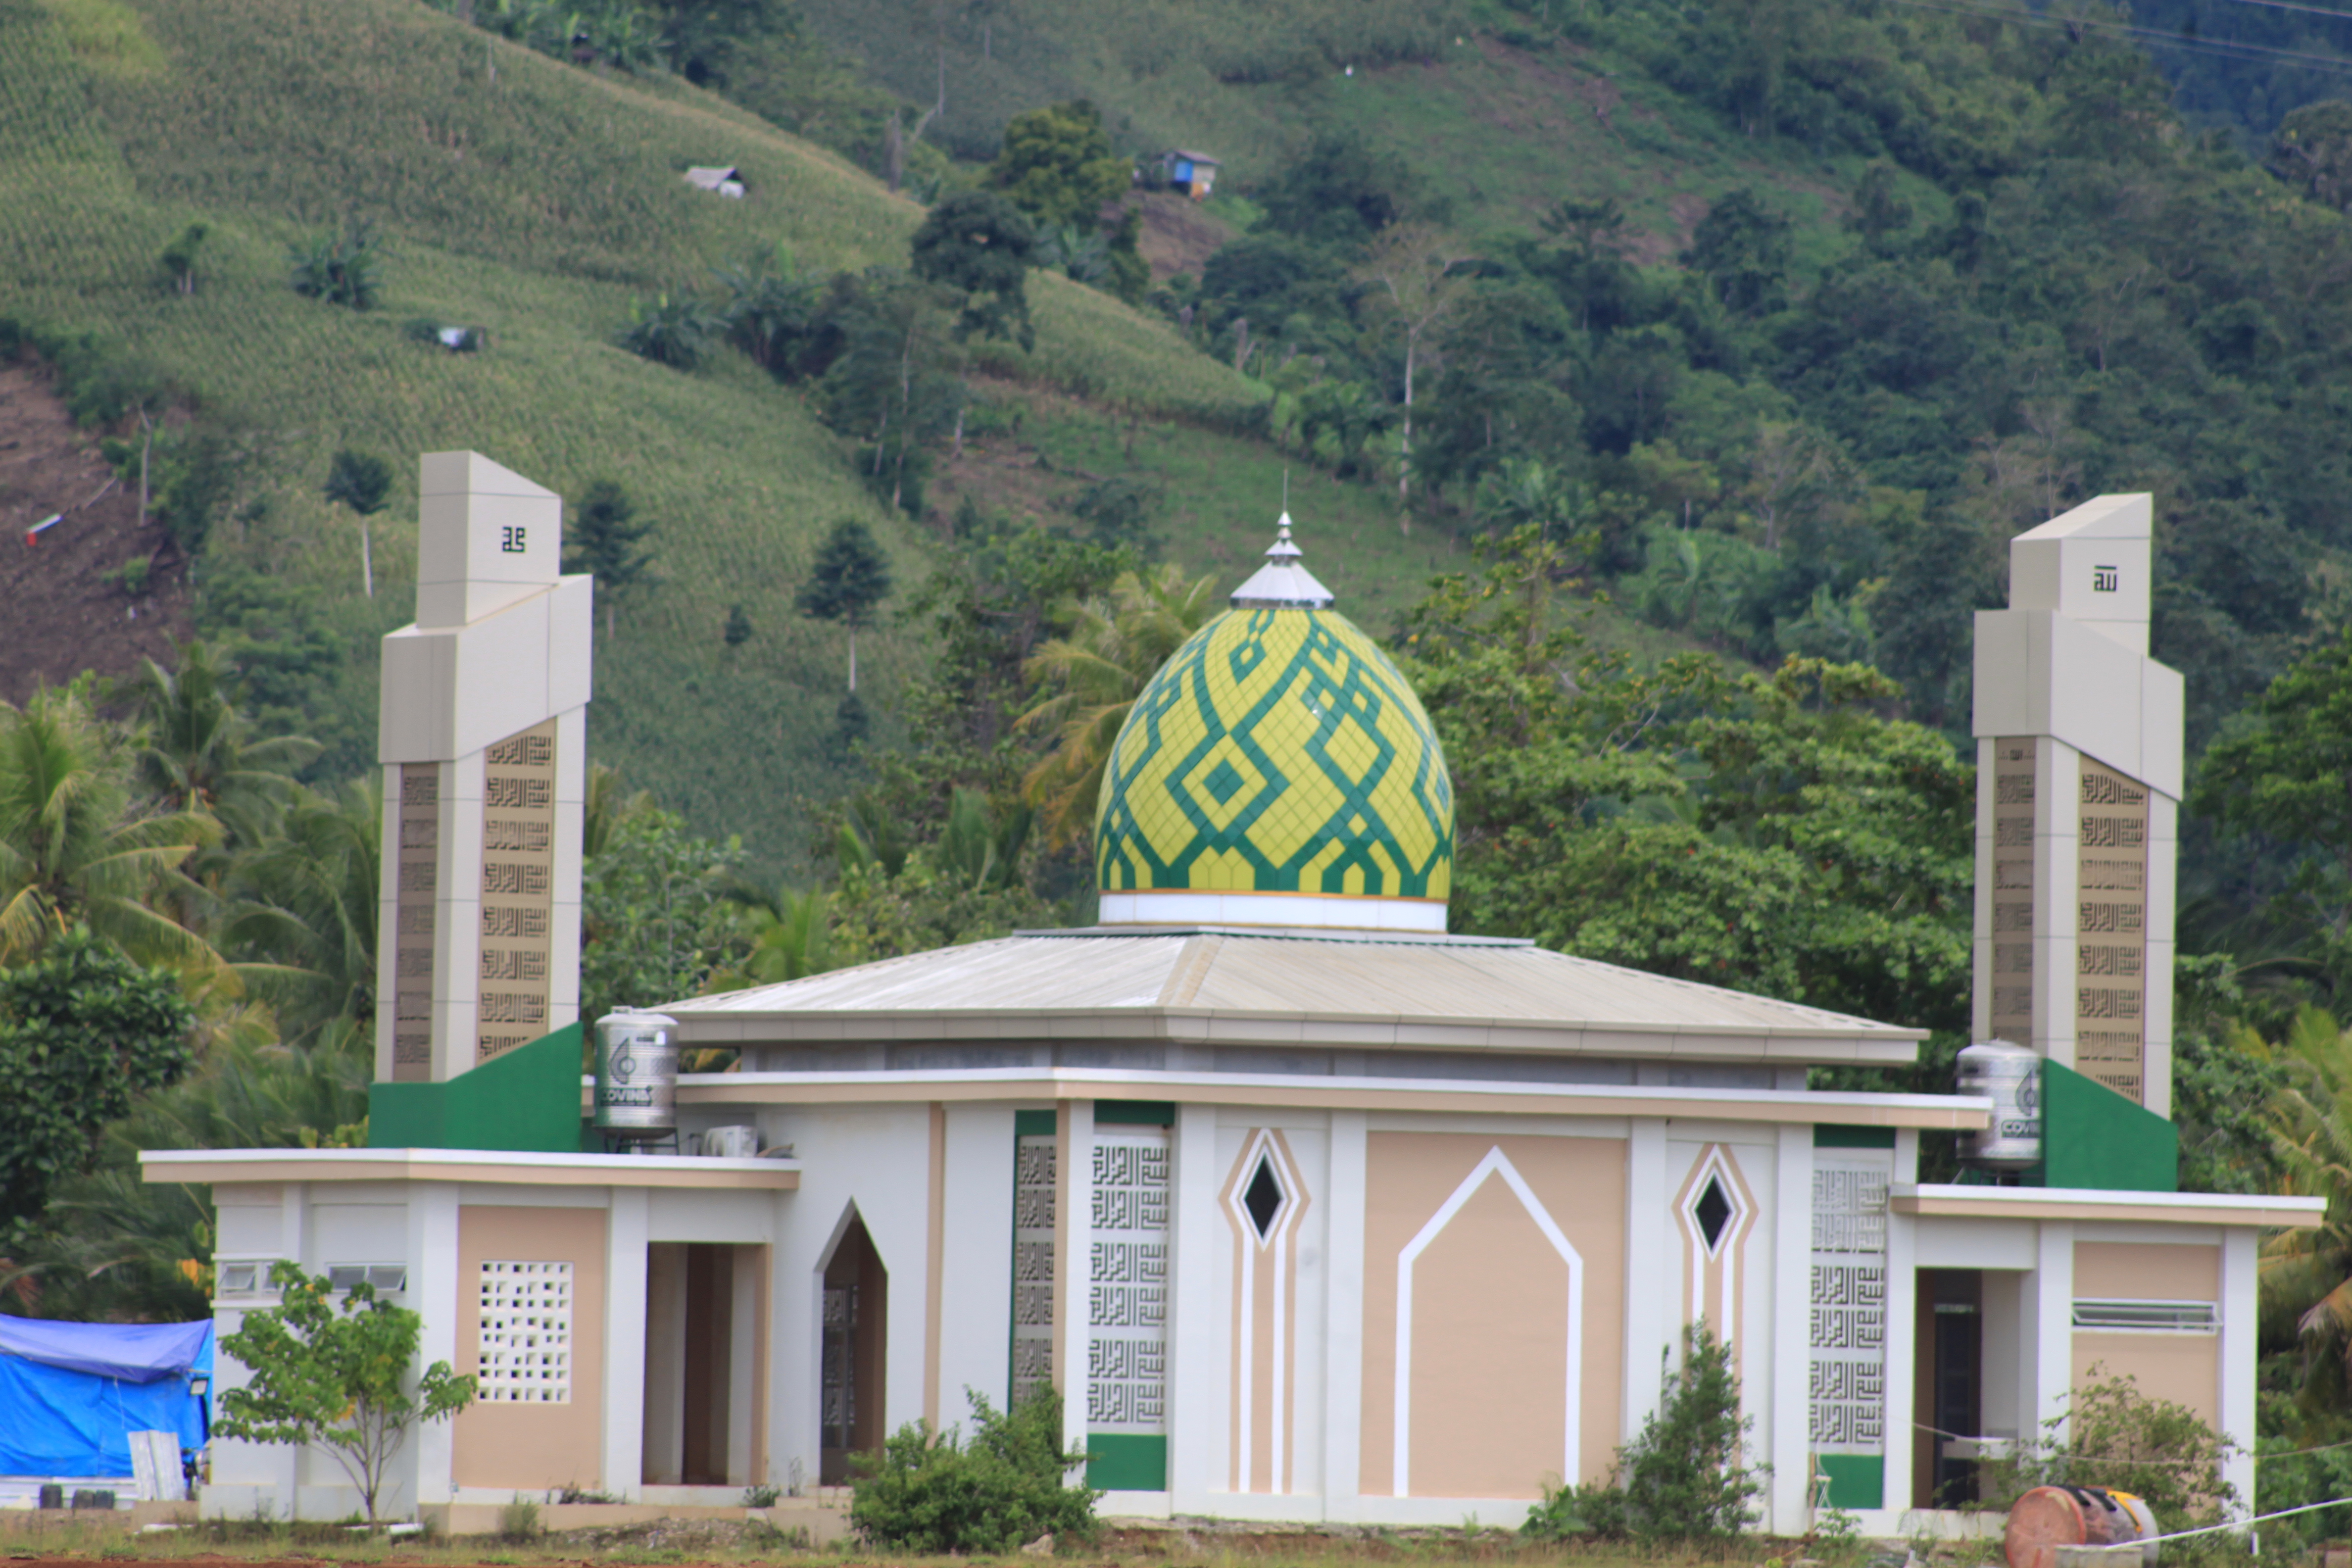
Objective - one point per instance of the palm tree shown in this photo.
(785, 933)
(1101, 668)
(196, 752)
(306, 906)
(2305, 1276)
(72, 850)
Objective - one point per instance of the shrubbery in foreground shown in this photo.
(1005, 1487)
(1683, 1478)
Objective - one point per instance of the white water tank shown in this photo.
(2011, 1076)
(636, 1073)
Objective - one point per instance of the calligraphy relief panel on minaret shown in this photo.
(2111, 940)
(518, 888)
(419, 861)
(2012, 895)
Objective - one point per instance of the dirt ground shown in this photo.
(1177, 237)
(61, 611)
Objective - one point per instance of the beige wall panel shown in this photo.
(534, 1446)
(2185, 1369)
(2128, 1271)
(1490, 1312)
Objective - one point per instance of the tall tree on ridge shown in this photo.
(850, 578)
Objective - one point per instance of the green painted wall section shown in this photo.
(1127, 1462)
(1856, 1481)
(1035, 1123)
(2093, 1137)
(1831, 1135)
(527, 1100)
(1135, 1113)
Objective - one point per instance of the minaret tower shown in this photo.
(2078, 789)
(483, 738)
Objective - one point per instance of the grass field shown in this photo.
(1166, 1544)
(534, 200)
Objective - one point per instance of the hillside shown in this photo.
(535, 201)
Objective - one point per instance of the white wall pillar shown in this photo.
(1783, 1417)
(626, 1230)
(1902, 1334)
(1650, 1260)
(1343, 1330)
(433, 1287)
(1072, 1266)
(2047, 1328)
(1196, 1431)
(2240, 1356)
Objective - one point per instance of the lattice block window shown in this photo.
(525, 1350)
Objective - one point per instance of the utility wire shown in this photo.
(2122, 1459)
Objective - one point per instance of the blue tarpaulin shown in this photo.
(72, 1394)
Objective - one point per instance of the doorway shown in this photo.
(706, 1380)
(1948, 1390)
(851, 1355)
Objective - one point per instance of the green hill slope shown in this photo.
(534, 200)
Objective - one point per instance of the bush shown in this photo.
(346, 268)
(677, 330)
(1003, 1488)
(1683, 1478)
(518, 1520)
(2113, 1436)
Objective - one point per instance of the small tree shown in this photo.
(606, 529)
(83, 1031)
(1685, 1476)
(677, 331)
(849, 579)
(341, 268)
(363, 483)
(179, 259)
(978, 244)
(335, 1378)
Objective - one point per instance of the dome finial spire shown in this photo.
(1281, 584)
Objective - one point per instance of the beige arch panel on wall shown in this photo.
(1494, 1267)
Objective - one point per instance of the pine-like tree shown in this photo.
(606, 529)
(850, 578)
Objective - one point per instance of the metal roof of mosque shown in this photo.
(1311, 986)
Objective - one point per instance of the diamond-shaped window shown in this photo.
(1713, 1212)
(1262, 1199)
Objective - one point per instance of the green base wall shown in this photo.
(2093, 1137)
(526, 1101)
(1127, 1462)
(1856, 1481)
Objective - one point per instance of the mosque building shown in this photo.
(1310, 1208)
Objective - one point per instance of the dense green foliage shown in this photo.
(83, 1031)
(1000, 1488)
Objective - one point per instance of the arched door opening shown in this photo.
(851, 1360)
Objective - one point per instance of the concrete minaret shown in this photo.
(483, 737)
(2078, 791)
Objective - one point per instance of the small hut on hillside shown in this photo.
(1191, 173)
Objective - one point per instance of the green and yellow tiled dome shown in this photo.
(1278, 760)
